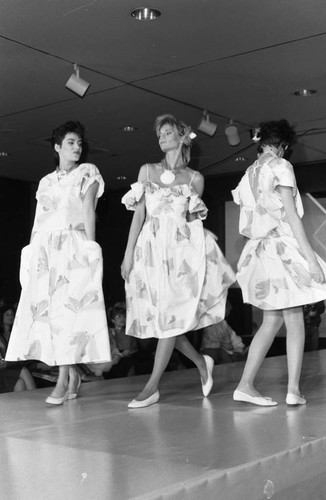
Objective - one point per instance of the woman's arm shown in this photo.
(135, 228)
(198, 185)
(89, 216)
(299, 233)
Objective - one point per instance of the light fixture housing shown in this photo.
(145, 14)
(304, 92)
(232, 134)
(76, 84)
(206, 126)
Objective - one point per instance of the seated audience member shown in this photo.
(221, 343)
(312, 319)
(123, 347)
(14, 376)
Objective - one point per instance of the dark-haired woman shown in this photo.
(61, 317)
(278, 271)
(176, 276)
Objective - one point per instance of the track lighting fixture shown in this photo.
(206, 126)
(232, 134)
(76, 84)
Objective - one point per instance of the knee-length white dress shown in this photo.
(180, 278)
(272, 272)
(61, 317)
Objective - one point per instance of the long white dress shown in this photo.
(180, 278)
(61, 316)
(272, 272)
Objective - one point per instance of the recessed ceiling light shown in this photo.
(145, 14)
(304, 92)
(240, 158)
(129, 128)
(121, 178)
(3, 154)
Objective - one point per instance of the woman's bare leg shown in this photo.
(62, 383)
(187, 349)
(259, 347)
(295, 338)
(74, 378)
(19, 386)
(163, 354)
(27, 378)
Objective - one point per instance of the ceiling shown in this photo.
(237, 59)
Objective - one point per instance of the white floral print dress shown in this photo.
(61, 316)
(180, 278)
(272, 271)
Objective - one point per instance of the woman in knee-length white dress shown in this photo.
(176, 276)
(278, 271)
(61, 317)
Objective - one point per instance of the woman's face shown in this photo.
(168, 138)
(8, 317)
(119, 320)
(70, 149)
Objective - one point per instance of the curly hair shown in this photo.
(276, 133)
(60, 133)
(182, 128)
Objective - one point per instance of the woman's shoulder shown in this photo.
(147, 170)
(88, 167)
(194, 174)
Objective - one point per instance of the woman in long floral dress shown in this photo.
(61, 317)
(176, 276)
(278, 271)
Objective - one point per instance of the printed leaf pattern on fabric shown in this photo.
(43, 264)
(62, 295)
(58, 241)
(263, 289)
(40, 311)
(176, 271)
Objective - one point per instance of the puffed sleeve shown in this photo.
(236, 195)
(133, 196)
(283, 174)
(89, 174)
(196, 205)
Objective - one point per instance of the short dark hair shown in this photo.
(276, 133)
(117, 310)
(60, 133)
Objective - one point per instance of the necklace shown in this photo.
(168, 176)
(61, 173)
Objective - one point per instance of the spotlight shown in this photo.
(76, 84)
(232, 134)
(207, 127)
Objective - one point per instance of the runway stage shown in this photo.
(184, 447)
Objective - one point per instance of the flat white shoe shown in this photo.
(146, 402)
(207, 387)
(255, 400)
(293, 399)
(57, 401)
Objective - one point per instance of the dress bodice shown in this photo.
(59, 202)
(261, 205)
(166, 202)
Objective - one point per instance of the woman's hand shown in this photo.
(126, 266)
(316, 272)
